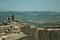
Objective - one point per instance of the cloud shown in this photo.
(2, 6)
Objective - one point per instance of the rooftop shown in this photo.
(13, 36)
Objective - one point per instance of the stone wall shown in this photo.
(48, 35)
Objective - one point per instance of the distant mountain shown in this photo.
(30, 12)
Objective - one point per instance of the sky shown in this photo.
(30, 5)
